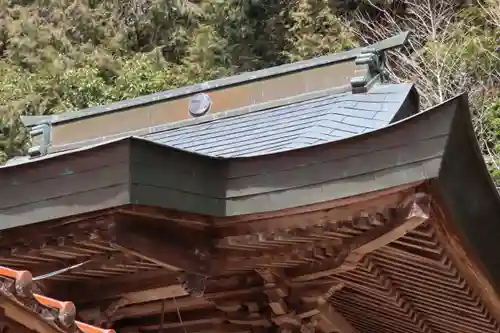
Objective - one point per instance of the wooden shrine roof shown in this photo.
(388, 231)
(277, 217)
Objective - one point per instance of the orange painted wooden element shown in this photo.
(67, 307)
(16, 275)
(67, 310)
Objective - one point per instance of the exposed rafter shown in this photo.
(162, 250)
(412, 212)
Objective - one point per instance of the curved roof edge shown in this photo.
(137, 171)
(470, 203)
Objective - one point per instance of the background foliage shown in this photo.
(61, 55)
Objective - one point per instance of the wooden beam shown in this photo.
(307, 216)
(172, 305)
(161, 249)
(115, 287)
(412, 212)
(196, 318)
(166, 215)
(145, 286)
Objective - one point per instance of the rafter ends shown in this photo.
(279, 307)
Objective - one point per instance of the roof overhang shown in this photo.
(433, 153)
(428, 146)
(437, 146)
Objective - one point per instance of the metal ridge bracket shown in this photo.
(41, 137)
(370, 61)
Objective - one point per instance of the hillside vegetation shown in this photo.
(62, 55)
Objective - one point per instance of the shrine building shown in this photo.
(312, 197)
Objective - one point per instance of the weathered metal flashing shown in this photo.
(41, 138)
(334, 98)
(374, 61)
(387, 44)
(28, 120)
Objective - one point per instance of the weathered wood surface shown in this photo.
(391, 257)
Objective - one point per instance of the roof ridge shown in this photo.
(383, 45)
(18, 286)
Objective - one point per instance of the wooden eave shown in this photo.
(389, 218)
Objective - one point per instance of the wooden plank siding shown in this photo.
(171, 178)
(69, 185)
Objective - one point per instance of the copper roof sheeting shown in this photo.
(294, 126)
(16, 286)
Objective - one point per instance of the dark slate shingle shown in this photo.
(298, 125)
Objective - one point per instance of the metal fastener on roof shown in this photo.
(40, 139)
(199, 104)
(374, 59)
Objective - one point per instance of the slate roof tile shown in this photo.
(319, 120)
(17, 287)
(292, 126)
